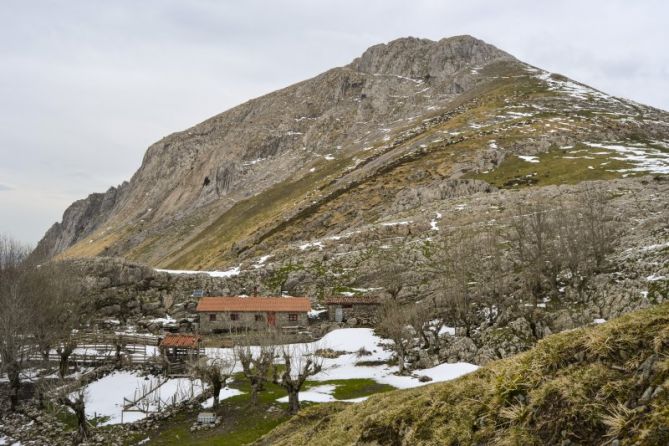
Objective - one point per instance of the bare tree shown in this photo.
(490, 272)
(299, 363)
(599, 233)
(215, 372)
(420, 319)
(78, 405)
(395, 324)
(256, 355)
(392, 266)
(532, 235)
(50, 290)
(15, 317)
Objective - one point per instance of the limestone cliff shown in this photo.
(345, 149)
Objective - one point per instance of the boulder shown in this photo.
(460, 349)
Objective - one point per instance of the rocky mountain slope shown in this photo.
(398, 134)
(602, 385)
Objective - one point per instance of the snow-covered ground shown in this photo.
(572, 88)
(346, 366)
(4, 440)
(105, 397)
(529, 158)
(646, 159)
(223, 395)
(227, 273)
(353, 340)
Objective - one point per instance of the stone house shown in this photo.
(219, 314)
(343, 308)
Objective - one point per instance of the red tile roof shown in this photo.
(180, 340)
(361, 300)
(253, 304)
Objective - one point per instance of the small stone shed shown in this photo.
(219, 314)
(343, 308)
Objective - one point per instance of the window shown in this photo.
(347, 305)
(212, 317)
(292, 317)
(234, 316)
(259, 318)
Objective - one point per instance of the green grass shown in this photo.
(242, 423)
(347, 389)
(554, 168)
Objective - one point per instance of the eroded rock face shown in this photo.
(81, 218)
(268, 140)
(423, 58)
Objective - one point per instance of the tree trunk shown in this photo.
(14, 384)
(217, 391)
(293, 401)
(64, 363)
(400, 360)
(255, 387)
(79, 407)
(45, 353)
(80, 411)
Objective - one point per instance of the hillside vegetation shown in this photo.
(606, 384)
(410, 123)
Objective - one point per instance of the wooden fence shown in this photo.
(93, 349)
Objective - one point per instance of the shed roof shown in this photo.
(253, 304)
(180, 340)
(360, 300)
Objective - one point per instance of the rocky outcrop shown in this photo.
(403, 127)
(424, 59)
(81, 218)
(248, 149)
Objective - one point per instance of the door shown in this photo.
(339, 314)
(271, 319)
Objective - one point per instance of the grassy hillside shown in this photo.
(586, 386)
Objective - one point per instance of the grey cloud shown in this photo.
(87, 86)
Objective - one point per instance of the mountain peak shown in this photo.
(418, 58)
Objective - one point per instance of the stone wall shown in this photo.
(223, 321)
(364, 313)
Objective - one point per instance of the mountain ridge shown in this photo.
(314, 139)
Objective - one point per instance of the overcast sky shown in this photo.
(86, 86)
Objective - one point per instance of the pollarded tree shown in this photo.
(77, 403)
(298, 363)
(256, 355)
(214, 372)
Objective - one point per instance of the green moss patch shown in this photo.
(557, 166)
